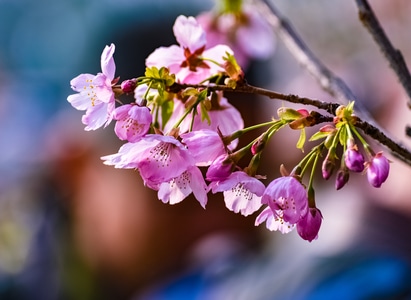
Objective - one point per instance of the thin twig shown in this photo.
(283, 28)
(249, 89)
(328, 81)
(393, 55)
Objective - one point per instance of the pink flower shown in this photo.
(274, 221)
(178, 188)
(204, 145)
(186, 60)
(95, 94)
(133, 122)
(310, 224)
(247, 33)
(288, 195)
(378, 169)
(158, 158)
(242, 193)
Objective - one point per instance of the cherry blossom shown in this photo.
(178, 188)
(133, 122)
(158, 158)
(186, 60)
(288, 195)
(245, 32)
(95, 94)
(274, 221)
(204, 145)
(242, 193)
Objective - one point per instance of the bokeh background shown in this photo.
(72, 228)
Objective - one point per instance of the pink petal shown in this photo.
(107, 62)
(189, 33)
(170, 57)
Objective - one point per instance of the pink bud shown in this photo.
(328, 167)
(378, 170)
(310, 224)
(353, 158)
(128, 86)
(342, 178)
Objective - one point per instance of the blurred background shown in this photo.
(72, 228)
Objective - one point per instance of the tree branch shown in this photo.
(394, 56)
(372, 131)
(327, 80)
(283, 28)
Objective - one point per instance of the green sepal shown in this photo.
(343, 135)
(301, 140)
(288, 114)
(319, 135)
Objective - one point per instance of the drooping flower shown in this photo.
(310, 224)
(274, 221)
(178, 188)
(158, 158)
(204, 145)
(186, 60)
(288, 195)
(246, 32)
(133, 122)
(95, 94)
(242, 193)
(378, 169)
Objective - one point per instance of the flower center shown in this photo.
(193, 60)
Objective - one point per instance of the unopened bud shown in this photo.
(328, 167)
(342, 178)
(128, 86)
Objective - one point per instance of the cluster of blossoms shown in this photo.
(177, 125)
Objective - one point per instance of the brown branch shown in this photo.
(327, 80)
(394, 56)
(397, 150)
(372, 131)
(283, 28)
(249, 89)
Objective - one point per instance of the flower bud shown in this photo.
(220, 169)
(354, 160)
(128, 86)
(310, 224)
(328, 166)
(378, 170)
(342, 178)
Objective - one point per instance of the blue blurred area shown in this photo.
(43, 45)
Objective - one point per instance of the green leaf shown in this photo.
(301, 140)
